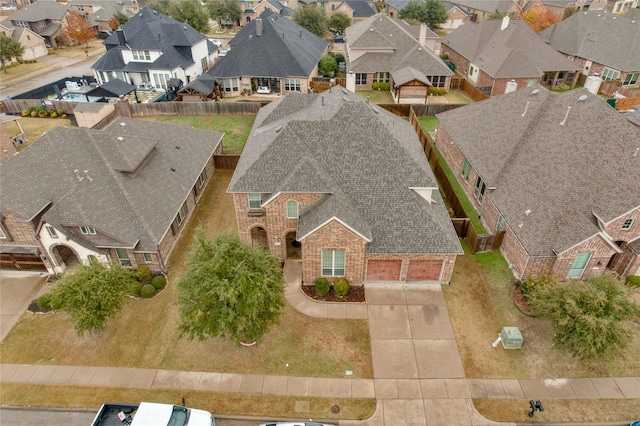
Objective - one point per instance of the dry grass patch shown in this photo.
(145, 332)
(34, 127)
(79, 51)
(480, 303)
(215, 402)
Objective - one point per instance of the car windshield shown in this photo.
(179, 417)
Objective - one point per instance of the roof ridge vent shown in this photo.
(565, 116)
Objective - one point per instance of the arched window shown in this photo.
(292, 210)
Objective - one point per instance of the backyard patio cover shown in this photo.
(112, 89)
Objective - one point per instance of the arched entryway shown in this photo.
(294, 247)
(619, 261)
(64, 257)
(259, 237)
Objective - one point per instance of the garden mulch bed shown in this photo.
(35, 309)
(356, 295)
(521, 302)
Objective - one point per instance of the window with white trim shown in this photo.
(2, 234)
(500, 224)
(161, 80)
(437, 80)
(380, 77)
(627, 224)
(230, 84)
(466, 169)
(87, 230)
(22, 24)
(292, 84)
(147, 258)
(361, 78)
(292, 210)
(180, 216)
(204, 63)
(123, 257)
(631, 78)
(333, 263)
(255, 201)
(42, 24)
(52, 232)
(579, 265)
(479, 189)
(202, 179)
(141, 55)
(609, 74)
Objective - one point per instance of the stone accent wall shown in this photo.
(18, 233)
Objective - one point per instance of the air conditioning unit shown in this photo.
(511, 338)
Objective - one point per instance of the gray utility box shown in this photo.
(511, 338)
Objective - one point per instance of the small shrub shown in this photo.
(34, 113)
(341, 286)
(633, 281)
(147, 291)
(135, 288)
(536, 281)
(60, 111)
(158, 282)
(64, 116)
(322, 286)
(381, 86)
(44, 301)
(24, 113)
(54, 114)
(144, 274)
(56, 303)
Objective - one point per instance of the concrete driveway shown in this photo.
(17, 290)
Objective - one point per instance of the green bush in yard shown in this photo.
(158, 282)
(135, 288)
(44, 301)
(147, 291)
(144, 274)
(322, 286)
(341, 286)
(537, 280)
(633, 281)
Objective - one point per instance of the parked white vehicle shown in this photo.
(151, 414)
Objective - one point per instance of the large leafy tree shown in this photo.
(231, 289)
(162, 6)
(430, 12)
(121, 17)
(79, 28)
(91, 294)
(591, 318)
(9, 49)
(328, 66)
(339, 22)
(313, 18)
(539, 19)
(224, 11)
(193, 13)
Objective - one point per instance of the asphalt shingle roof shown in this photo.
(112, 89)
(361, 8)
(515, 52)
(599, 37)
(134, 209)
(554, 155)
(284, 49)
(401, 48)
(362, 157)
(40, 11)
(489, 6)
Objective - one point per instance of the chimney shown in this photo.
(121, 39)
(505, 23)
(258, 27)
(423, 35)
(351, 82)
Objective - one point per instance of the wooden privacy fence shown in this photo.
(320, 84)
(226, 161)
(16, 106)
(196, 108)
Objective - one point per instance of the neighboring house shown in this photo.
(101, 11)
(48, 19)
(456, 15)
(33, 44)
(558, 7)
(151, 48)
(275, 6)
(498, 56)
(270, 52)
(480, 10)
(621, 6)
(599, 43)
(98, 196)
(384, 50)
(356, 10)
(345, 187)
(557, 172)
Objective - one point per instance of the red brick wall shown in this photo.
(20, 233)
(615, 231)
(601, 252)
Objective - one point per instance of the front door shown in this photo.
(294, 247)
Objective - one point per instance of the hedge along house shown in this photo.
(381, 50)
(344, 187)
(151, 48)
(122, 193)
(559, 173)
(272, 52)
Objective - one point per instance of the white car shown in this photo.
(218, 43)
(309, 423)
(223, 52)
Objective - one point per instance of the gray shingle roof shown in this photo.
(110, 61)
(561, 172)
(361, 8)
(599, 37)
(407, 74)
(282, 9)
(40, 11)
(402, 48)
(112, 89)
(284, 49)
(516, 52)
(364, 158)
(486, 5)
(132, 208)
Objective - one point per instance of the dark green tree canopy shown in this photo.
(121, 17)
(328, 67)
(223, 10)
(313, 18)
(91, 294)
(591, 318)
(231, 289)
(430, 12)
(190, 11)
(9, 48)
(339, 22)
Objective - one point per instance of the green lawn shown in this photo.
(376, 96)
(566, 89)
(428, 124)
(236, 128)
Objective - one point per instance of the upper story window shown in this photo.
(52, 232)
(2, 234)
(147, 257)
(292, 210)
(22, 24)
(255, 201)
(87, 230)
(42, 24)
(627, 224)
(141, 55)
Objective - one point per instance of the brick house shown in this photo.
(384, 50)
(344, 186)
(48, 19)
(356, 10)
(122, 193)
(99, 12)
(498, 56)
(271, 52)
(481, 10)
(599, 44)
(557, 172)
(34, 45)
